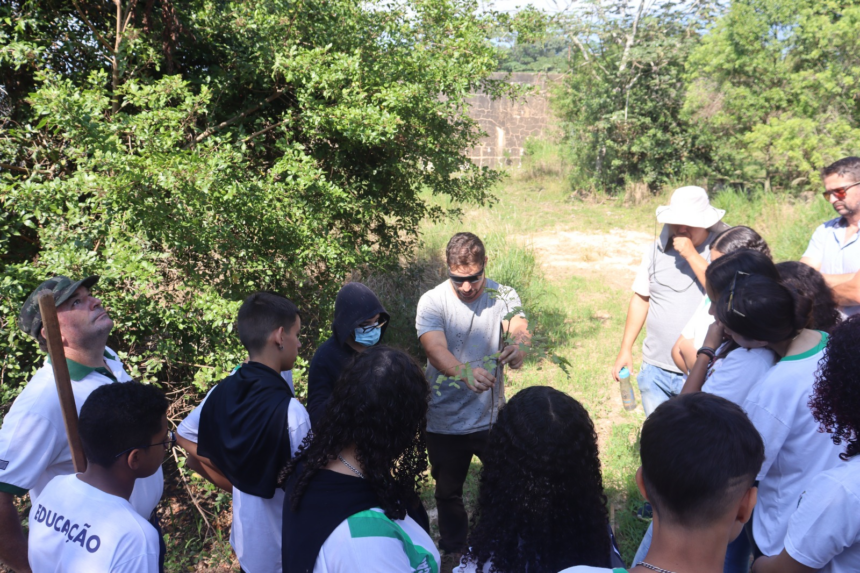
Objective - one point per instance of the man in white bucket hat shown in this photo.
(669, 285)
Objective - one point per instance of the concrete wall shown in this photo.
(508, 124)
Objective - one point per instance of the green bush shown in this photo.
(271, 145)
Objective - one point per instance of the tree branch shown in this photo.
(587, 57)
(234, 119)
(266, 130)
(92, 28)
(13, 168)
(631, 38)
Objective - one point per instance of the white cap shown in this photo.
(689, 206)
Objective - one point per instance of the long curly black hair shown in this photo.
(809, 282)
(835, 402)
(379, 404)
(541, 505)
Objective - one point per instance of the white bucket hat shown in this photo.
(689, 206)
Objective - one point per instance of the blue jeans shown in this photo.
(657, 385)
(738, 552)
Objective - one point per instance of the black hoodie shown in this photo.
(354, 304)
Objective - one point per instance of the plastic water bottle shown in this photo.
(627, 395)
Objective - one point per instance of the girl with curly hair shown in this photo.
(760, 312)
(541, 506)
(824, 531)
(810, 283)
(352, 490)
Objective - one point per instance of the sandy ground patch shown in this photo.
(614, 255)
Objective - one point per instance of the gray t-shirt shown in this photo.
(667, 278)
(473, 332)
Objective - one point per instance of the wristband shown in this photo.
(707, 351)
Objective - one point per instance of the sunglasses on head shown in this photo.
(458, 280)
(839, 192)
(732, 294)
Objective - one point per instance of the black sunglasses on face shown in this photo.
(366, 329)
(169, 443)
(458, 280)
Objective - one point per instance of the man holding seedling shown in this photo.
(470, 327)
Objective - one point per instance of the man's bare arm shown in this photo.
(814, 263)
(848, 293)
(202, 465)
(13, 544)
(836, 280)
(436, 347)
(637, 312)
(782, 563)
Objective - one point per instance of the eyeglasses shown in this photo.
(472, 279)
(839, 192)
(169, 443)
(366, 329)
(732, 294)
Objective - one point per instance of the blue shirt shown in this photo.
(837, 255)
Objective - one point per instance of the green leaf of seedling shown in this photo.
(438, 393)
(454, 384)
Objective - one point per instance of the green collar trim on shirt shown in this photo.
(371, 523)
(811, 352)
(12, 489)
(78, 371)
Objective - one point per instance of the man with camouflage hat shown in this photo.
(33, 443)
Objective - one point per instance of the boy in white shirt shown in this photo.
(255, 426)
(824, 531)
(84, 522)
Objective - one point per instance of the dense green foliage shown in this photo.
(211, 149)
(756, 93)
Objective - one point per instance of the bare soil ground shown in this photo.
(613, 255)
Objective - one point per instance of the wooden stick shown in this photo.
(61, 375)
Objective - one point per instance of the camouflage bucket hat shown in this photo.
(30, 319)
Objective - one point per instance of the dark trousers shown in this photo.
(450, 457)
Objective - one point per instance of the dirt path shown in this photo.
(614, 255)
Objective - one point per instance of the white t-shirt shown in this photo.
(795, 451)
(472, 568)
(371, 543)
(697, 327)
(590, 569)
(824, 531)
(77, 528)
(735, 375)
(257, 522)
(473, 332)
(34, 447)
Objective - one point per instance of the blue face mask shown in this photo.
(368, 338)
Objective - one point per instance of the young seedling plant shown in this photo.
(537, 348)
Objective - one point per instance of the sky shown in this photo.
(551, 6)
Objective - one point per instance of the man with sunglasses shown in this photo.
(461, 325)
(33, 444)
(834, 248)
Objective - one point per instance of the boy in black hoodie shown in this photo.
(360, 321)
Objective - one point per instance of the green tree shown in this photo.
(775, 88)
(191, 152)
(624, 92)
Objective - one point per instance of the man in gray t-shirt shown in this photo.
(464, 327)
(668, 288)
